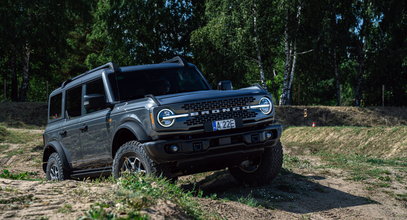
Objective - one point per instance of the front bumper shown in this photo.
(217, 147)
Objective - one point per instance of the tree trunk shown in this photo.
(287, 68)
(290, 59)
(26, 76)
(337, 80)
(257, 44)
(290, 83)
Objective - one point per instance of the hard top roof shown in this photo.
(172, 63)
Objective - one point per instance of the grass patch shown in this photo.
(137, 192)
(17, 136)
(4, 147)
(24, 199)
(66, 208)
(295, 162)
(18, 176)
(364, 168)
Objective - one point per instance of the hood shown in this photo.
(208, 94)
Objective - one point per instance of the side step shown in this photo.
(93, 173)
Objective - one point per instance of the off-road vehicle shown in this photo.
(162, 119)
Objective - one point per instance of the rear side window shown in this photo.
(55, 107)
(73, 102)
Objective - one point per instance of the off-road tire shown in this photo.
(133, 148)
(267, 170)
(54, 165)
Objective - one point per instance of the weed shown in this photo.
(67, 208)
(137, 192)
(16, 152)
(19, 176)
(24, 199)
(4, 147)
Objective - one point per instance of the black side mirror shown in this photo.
(94, 102)
(225, 85)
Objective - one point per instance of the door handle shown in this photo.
(63, 133)
(84, 128)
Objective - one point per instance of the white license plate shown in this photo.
(223, 124)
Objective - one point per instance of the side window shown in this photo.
(95, 97)
(73, 102)
(55, 107)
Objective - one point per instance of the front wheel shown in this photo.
(55, 171)
(132, 158)
(261, 171)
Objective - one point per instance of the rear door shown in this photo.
(69, 132)
(95, 137)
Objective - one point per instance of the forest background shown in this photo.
(307, 52)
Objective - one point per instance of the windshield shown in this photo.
(137, 84)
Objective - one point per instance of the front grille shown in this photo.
(217, 104)
(201, 119)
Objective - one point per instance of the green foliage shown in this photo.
(345, 48)
(17, 176)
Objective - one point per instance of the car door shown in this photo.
(95, 138)
(69, 131)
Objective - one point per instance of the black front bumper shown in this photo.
(217, 149)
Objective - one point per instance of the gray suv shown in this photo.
(161, 119)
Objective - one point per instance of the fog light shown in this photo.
(269, 135)
(174, 148)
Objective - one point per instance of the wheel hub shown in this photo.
(133, 164)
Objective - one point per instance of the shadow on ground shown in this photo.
(289, 191)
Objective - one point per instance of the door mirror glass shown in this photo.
(225, 85)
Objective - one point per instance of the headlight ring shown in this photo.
(266, 101)
(165, 122)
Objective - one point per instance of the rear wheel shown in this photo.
(261, 171)
(132, 158)
(54, 170)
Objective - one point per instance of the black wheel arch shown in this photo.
(128, 131)
(52, 147)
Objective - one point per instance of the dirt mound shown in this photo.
(341, 116)
(382, 142)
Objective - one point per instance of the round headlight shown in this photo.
(266, 102)
(165, 122)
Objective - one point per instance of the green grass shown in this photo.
(66, 208)
(137, 192)
(4, 147)
(16, 136)
(248, 200)
(18, 176)
(291, 161)
(362, 168)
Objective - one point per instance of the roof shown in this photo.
(172, 63)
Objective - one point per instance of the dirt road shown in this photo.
(308, 188)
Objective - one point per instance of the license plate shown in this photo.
(223, 124)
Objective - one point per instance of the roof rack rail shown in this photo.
(109, 65)
(178, 60)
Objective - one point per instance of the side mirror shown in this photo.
(94, 102)
(225, 85)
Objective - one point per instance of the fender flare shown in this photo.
(55, 146)
(135, 128)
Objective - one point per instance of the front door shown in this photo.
(95, 138)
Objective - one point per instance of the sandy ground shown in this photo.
(295, 194)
